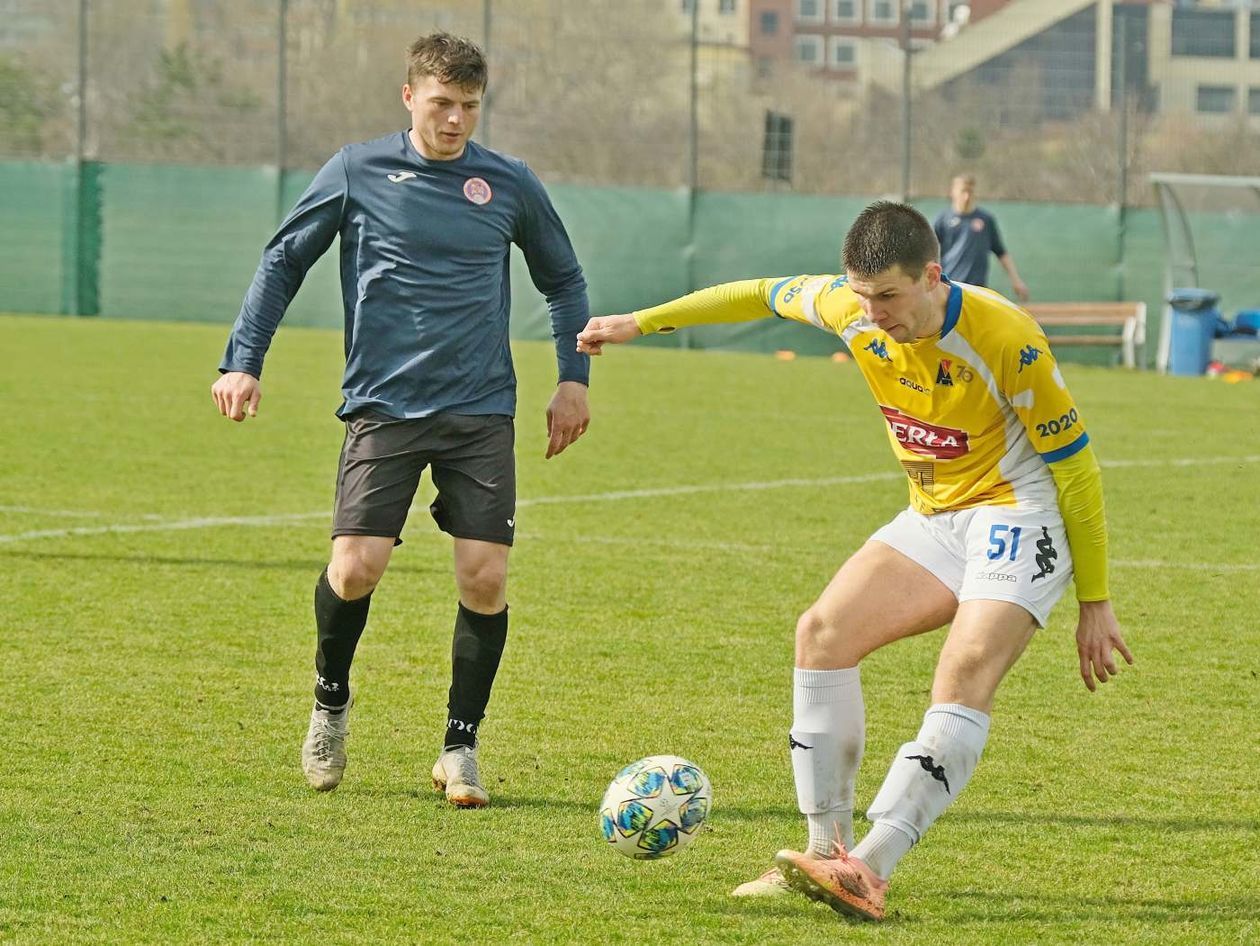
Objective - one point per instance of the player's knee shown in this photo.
(353, 577)
(819, 638)
(482, 584)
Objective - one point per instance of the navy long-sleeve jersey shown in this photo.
(424, 277)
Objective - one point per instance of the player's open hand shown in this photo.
(236, 394)
(1097, 636)
(604, 329)
(568, 416)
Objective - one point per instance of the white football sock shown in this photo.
(828, 732)
(925, 777)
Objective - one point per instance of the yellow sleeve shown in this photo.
(741, 301)
(1079, 483)
(1037, 392)
(795, 298)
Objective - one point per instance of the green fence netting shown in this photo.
(181, 243)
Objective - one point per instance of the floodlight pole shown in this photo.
(487, 17)
(282, 104)
(906, 8)
(693, 154)
(80, 137)
(1120, 86)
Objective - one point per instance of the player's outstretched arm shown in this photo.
(1097, 636)
(605, 329)
(235, 394)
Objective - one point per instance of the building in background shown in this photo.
(1189, 57)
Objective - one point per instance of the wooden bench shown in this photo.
(1129, 317)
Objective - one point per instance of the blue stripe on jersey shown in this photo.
(774, 293)
(1075, 447)
(953, 309)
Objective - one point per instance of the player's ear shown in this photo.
(932, 274)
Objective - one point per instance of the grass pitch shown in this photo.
(156, 570)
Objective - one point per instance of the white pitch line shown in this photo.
(208, 522)
(1181, 461)
(171, 526)
(708, 488)
(686, 545)
(59, 513)
(1193, 566)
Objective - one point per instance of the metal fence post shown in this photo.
(81, 221)
(282, 105)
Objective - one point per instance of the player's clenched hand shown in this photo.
(236, 393)
(1097, 635)
(568, 416)
(606, 328)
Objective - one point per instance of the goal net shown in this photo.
(1211, 229)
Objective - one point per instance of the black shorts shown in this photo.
(474, 470)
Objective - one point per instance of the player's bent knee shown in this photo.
(823, 643)
(482, 586)
(352, 577)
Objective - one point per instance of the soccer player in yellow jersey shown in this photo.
(1005, 503)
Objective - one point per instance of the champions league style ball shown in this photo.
(655, 807)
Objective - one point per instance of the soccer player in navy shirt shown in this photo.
(426, 219)
(968, 234)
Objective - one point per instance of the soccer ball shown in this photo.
(655, 807)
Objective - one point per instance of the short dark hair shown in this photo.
(888, 234)
(452, 59)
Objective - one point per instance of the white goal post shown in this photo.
(1183, 198)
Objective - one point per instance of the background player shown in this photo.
(1003, 483)
(968, 234)
(426, 218)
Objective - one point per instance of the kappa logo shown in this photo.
(401, 176)
(878, 349)
(924, 439)
(996, 576)
(478, 191)
(1046, 554)
(512, 523)
(793, 744)
(942, 374)
(1027, 356)
(929, 766)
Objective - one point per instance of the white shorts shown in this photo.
(989, 553)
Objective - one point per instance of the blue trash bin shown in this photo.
(1194, 319)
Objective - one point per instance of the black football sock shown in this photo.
(338, 624)
(475, 653)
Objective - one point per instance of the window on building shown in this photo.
(776, 148)
(809, 49)
(1203, 33)
(846, 11)
(769, 23)
(726, 6)
(923, 12)
(841, 52)
(687, 5)
(810, 11)
(1214, 99)
(1253, 100)
(883, 11)
(1255, 36)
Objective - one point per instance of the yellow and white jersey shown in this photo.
(975, 413)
